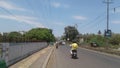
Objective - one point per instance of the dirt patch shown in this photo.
(102, 49)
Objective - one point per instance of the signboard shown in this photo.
(108, 33)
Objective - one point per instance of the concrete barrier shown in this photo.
(13, 52)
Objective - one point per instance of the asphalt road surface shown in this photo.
(86, 59)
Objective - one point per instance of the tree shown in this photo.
(0, 37)
(5, 37)
(15, 37)
(71, 33)
(40, 34)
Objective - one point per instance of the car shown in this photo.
(94, 44)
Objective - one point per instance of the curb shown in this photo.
(47, 59)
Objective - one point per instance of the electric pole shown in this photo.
(108, 2)
(108, 32)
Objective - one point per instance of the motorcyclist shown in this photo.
(56, 44)
(74, 47)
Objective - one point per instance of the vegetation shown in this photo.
(70, 33)
(40, 34)
(102, 41)
(0, 37)
(34, 35)
(14, 37)
(115, 39)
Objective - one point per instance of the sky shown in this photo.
(89, 16)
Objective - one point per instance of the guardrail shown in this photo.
(13, 52)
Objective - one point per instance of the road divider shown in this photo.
(48, 58)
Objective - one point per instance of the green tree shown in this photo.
(0, 37)
(5, 37)
(71, 33)
(15, 37)
(40, 34)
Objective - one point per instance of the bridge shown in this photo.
(50, 57)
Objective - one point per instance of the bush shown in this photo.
(99, 40)
(115, 39)
(3, 64)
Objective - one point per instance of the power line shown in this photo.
(49, 7)
(9, 12)
(108, 2)
(93, 24)
(97, 24)
(96, 18)
(30, 6)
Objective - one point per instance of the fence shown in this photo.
(13, 52)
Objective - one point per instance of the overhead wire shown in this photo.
(12, 14)
(96, 25)
(29, 4)
(7, 11)
(93, 21)
(89, 24)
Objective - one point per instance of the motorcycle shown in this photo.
(74, 54)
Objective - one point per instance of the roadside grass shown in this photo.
(111, 49)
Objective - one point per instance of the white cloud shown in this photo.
(9, 6)
(116, 22)
(58, 5)
(24, 19)
(79, 17)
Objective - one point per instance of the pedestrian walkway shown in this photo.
(36, 60)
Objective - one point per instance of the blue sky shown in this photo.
(89, 15)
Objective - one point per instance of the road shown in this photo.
(86, 59)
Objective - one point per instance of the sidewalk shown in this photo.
(34, 61)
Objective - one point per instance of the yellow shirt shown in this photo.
(74, 46)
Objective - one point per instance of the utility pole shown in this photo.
(108, 2)
(108, 32)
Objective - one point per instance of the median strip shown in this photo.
(47, 59)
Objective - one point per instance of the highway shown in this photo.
(86, 59)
